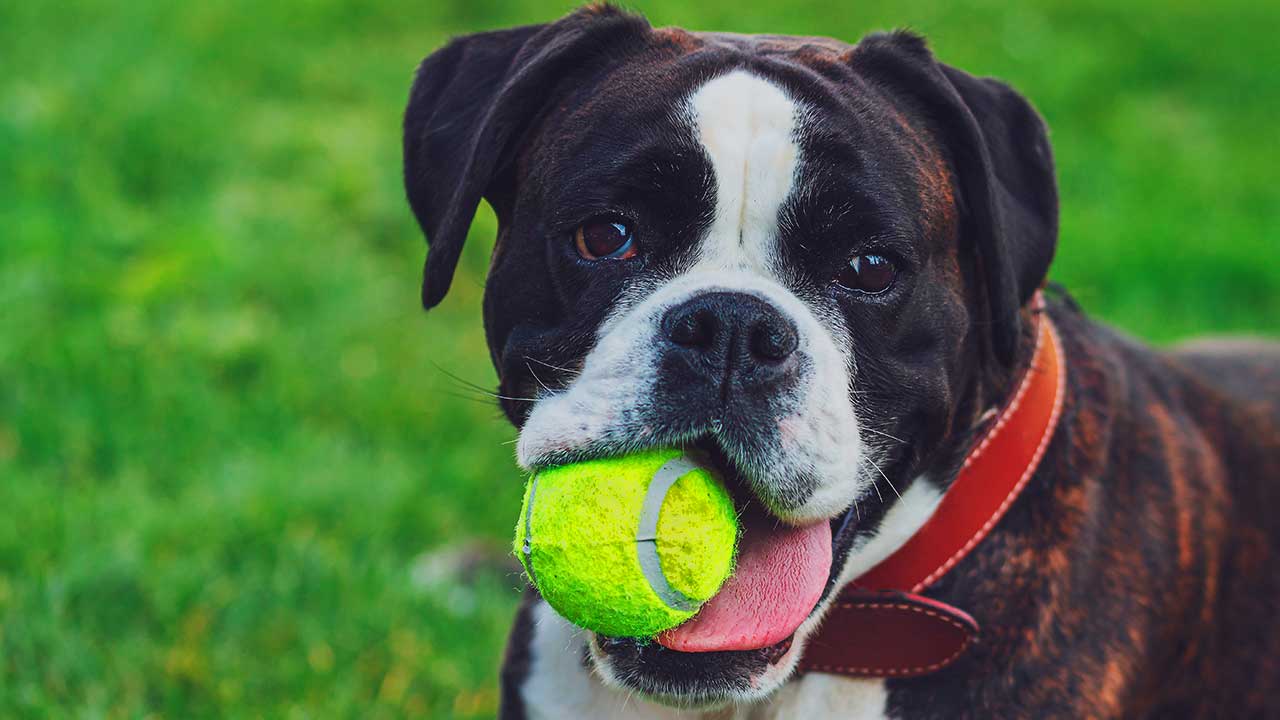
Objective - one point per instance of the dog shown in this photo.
(820, 268)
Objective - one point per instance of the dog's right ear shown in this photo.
(469, 108)
(999, 147)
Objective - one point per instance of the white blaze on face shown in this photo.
(747, 128)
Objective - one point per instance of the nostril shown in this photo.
(773, 339)
(691, 327)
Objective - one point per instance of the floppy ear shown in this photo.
(1004, 168)
(471, 103)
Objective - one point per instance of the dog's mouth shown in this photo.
(781, 576)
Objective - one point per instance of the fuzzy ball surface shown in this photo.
(628, 546)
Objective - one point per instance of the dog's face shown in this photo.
(800, 260)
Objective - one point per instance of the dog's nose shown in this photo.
(737, 337)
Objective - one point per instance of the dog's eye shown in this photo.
(868, 274)
(605, 239)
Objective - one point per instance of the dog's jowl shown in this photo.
(820, 269)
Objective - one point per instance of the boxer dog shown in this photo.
(817, 266)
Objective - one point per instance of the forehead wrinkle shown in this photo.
(747, 128)
(933, 180)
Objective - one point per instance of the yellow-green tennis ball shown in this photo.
(628, 546)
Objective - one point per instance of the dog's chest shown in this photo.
(560, 685)
(818, 697)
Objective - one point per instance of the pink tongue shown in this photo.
(779, 578)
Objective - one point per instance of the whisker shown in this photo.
(485, 395)
(461, 381)
(468, 385)
(469, 398)
(463, 390)
(516, 399)
(886, 478)
(538, 379)
(500, 396)
(553, 367)
(885, 434)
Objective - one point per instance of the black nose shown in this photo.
(736, 337)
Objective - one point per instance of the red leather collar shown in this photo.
(879, 625)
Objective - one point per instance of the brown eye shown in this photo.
(605, 239)
(869, 274)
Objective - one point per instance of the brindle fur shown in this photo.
(1138, 574)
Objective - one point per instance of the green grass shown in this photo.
(226, 440)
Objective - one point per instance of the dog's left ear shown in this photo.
(999, 147)
(472, 102)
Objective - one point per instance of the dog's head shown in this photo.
(805, 260)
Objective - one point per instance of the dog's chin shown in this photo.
(692, 680)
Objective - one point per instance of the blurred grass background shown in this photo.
(235, 475)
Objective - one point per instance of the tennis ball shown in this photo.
(627, 546)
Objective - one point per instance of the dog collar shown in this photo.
(880, 625)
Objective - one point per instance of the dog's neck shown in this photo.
(987, 385)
